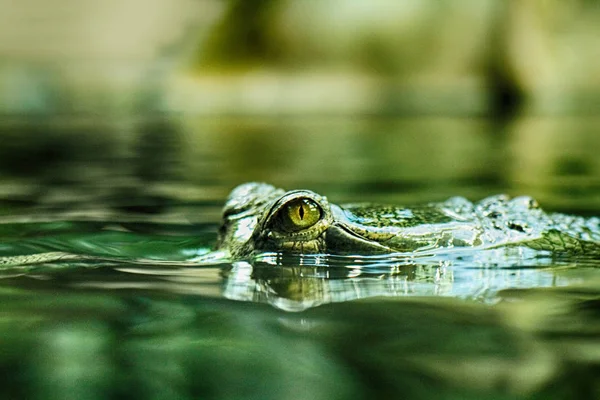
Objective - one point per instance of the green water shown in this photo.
(499, 326)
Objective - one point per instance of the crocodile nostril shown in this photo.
(493, 214)
(516, 226)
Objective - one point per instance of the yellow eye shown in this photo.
(300, 214)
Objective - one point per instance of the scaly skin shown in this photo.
(253, 212)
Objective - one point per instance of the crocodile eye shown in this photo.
(299, 214)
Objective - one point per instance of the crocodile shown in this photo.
(259, 218)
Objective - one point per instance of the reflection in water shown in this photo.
(296, 288)
(297, 283)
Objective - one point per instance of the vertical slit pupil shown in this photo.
(301, 211)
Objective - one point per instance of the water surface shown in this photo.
(500, 324)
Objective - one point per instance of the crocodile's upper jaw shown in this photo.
(345, 239)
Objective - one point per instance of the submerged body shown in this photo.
(258, 217)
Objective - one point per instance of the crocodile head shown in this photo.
(258, 217)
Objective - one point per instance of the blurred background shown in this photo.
(146, 104)
(125, 124)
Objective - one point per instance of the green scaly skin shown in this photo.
(251, 225)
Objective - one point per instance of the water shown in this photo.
(502, 324)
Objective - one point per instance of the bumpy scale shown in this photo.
(258, 217)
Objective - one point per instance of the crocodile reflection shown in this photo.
(259, 218)
(294, 288)
(283, 283)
